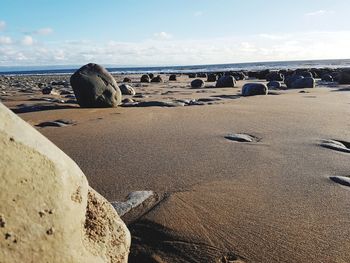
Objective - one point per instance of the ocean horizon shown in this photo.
(274, 65)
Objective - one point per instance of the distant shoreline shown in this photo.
(62, 70)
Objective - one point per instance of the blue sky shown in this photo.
(181, 32)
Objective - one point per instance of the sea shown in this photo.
(49, 70)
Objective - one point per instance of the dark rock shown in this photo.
(145, 79)
(212, 78)
(172, 77)
(274, 85)
(127, 90)
(252, 89)
(197, 84)
(226, 81)
(290, 79)
(344, 77)
(157, 79)
(192, 75)
(303, 83)
(49, 91)
(327, 78)
(201, 75)
(127, 80)
(274, 76)
(262, 74)
(94, 86)
(151, 75)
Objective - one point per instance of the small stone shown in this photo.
(50, 231)
(2, 221)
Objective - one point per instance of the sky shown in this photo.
(177, 32)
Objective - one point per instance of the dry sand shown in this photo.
(267, 201)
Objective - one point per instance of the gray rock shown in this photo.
(290, 79)
(274, 76)
(274, 85)
(252, 89)
(226, 82)
(241, 137)
(134, 200)
(327, 78)
(94, 86)
(344, 77)
(157, 79)
(172, 77)
(303, 83)
(197, 84)
(127, 90)
(50, 91)
(341, 180)
(212, 78)
(127, 80)
(145, 79)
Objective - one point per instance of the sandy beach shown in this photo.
(270, 200)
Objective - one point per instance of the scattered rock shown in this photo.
(197, 84)
(157, 79)
(56, 123)
(127, 90)
(89, 231)
(212, 78)
(226, 82)
(50, 91)
(303, 83)
(134, 199)
(192, 75)
(341, 146)
(145, 79)
(274, 76)
(154, 104)
(327, 78)
(172, 77)
(94, 86)
(341, 180)
(344, 77)
(252, 89)
(274, 85)
(241, 137)
(127, 80)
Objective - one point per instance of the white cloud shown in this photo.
(2, 25)
(43, 31)
(248, 48)
(162, 36)
(319, 13)
(27, 41)
(5, 40)
(198, 13)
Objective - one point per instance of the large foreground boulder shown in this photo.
(48, 212)
(252, 89)
(94, 86)
(226, 82)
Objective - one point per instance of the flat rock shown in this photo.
(341, 180)
(336, 145)
(133, 200)
(241, 137)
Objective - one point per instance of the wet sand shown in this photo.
(265, 201)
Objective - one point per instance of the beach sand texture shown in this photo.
(270, 200)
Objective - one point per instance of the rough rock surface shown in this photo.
(94, 86)
(48, 212)
(226, 82)
(252, 89)
(197, 84)
(127, 89)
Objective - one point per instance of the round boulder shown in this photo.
(212, 78)
(172, 77)
(252, 89)
(274, 85)
(226, 82)
(94, 86)
(197, 84)
(145, 79)
(127, 80)
(157, 79)
(127, 89)
(303, 83)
